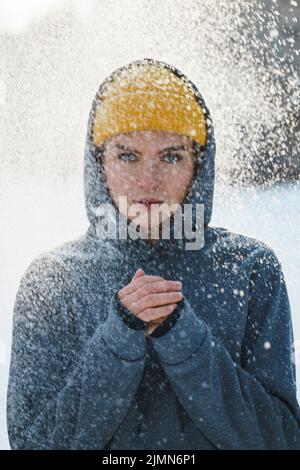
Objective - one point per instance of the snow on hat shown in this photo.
(148, 95)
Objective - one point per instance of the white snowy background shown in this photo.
(54, 54)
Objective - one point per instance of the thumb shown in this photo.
(139, 273)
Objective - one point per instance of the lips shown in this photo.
(149, 202)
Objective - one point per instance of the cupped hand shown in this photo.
(150, 298)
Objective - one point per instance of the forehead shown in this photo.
(153, 139)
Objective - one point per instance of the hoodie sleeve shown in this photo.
(248, 406)
(61, 395)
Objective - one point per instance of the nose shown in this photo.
(150, 177)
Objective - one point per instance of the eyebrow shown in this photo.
(123, 147)
(178, 147)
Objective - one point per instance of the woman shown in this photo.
(140, 343)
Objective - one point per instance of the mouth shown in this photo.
(149, 202)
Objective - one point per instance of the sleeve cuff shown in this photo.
(127, 343)
(183, 339)
(131, 320)
(169, 322)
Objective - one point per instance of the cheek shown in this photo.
(119, 182)
(185, 178)
(178, 179)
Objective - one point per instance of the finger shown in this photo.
(153, 324)
(155, 300)
(157, 286)
(152, 288)
(153, 314)
(158, 321)
(137, 283)
(151, 328)
(138, 274)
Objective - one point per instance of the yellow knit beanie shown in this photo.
(148, 96)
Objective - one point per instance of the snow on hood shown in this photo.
(95, 189)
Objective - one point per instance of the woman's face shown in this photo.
(149, 165)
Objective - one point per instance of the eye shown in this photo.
(127, 157)
(170, 157)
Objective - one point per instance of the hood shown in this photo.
(95, 190)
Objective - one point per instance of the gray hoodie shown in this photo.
(222, 377)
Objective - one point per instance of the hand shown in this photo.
(151, 298)
(152, 325)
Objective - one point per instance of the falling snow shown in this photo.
(244, 58)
